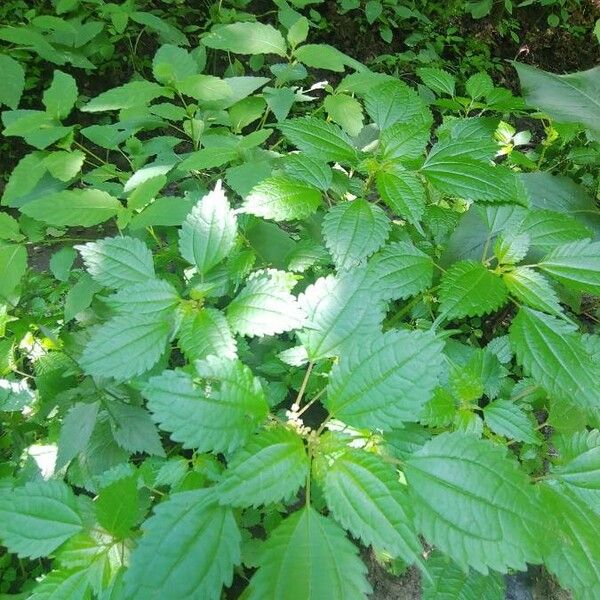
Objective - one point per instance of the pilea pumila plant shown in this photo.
(284, 320)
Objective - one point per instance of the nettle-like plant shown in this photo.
(290, 332)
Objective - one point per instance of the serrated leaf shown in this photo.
(340, 311)
(135, 93)
(319, 139)
(532, 288)
(118, 262)
(15, 395)
(206, 332)
(117, 506)
(386, 380)
(13, 265)
(400, 270)
(510, 420)
(76, 431)
(172, 64)
(282, 199)
(576, 265)
(474, 503)
(572, 552)
(308, 557)
(346, 111)
(62, 585)
(438, 80)
(264, 307)
(314, 172)
(353, 231)
(37, 518)
(403, 192)
(204, 545)
(450, 582)
(151, 297)
(211, 420)
(469, 289)
(133, 428)
(511, 249)
(324, 56)
(126, 346)
(404, 141)
(14, 81)
(364, 494)
(269, 468)
(208, 233)
(73, 207)
(479, 85)
(246, 38)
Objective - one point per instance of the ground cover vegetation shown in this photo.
(271, 311)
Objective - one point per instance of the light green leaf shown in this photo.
(118, 506)
(346, 111)
(469, 289)
(9, 228)
(208, 158)
(319, 139)
(117, 262)
(147, 191)
(204, 333)
(79, 297)
(13, 81)
(76, 431)
(73, 207)
(554, 355)
(510, 420)
(133, 429)
(265, 306)
(64, 165)
(204, 546)
(365, 496)
(269, 468)
(298, 31)
(126, 346)
(37, 518)
(438, 80)
(153, 296)
(282, 199)
(165, 30)
(353, 231)
(479, 85)
(532, 288)
(217, 420)
(208, 233)
(474, 503)
(400, 270)
(571, 98)
(404, 141)
(60, 97)
(13, 264)
(386, 380)
(172, 64)
(450, 582)
(305, 168)
(402, 191)
(246, 38)
(308, 557)
(576, 265)
(135, 93)
(324, 56)
(205, 88)
(63, 584)
(15, 395)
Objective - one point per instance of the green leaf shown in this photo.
(125, 346)
(271, 467)
(554, 355)
(37, 518)
(450, 582)
(393, 102)
(320, 139)
(404, 141)
(346, 111)
(438, 80)
(13, 265)
(314, 172)
(353, 231)
(205, 88)
(60, 97)
(117, 506)
(246, 38)
(66, 585)
(403, 192)
(298, 32)
(172, 64)
(117, 262)
(474, 503)
(217, 420)
(479, 85)
(572, 98)
(341, 312)
(13, 81)
(324, 56)
(62, 262)
(9, 228)
(265, 306)
(135, 93)
(403, 365)
(365, 496)
(204, 333)
(308, 557)
(165, 30)
(73, 207)
(282, 199)
(147, 191)
(204, 545)
(76, 431)
(64, 165)
(532, 288)
(510, 420)
(469, 289)
(572, 552)
(400, 270)
(208, 233)
(133, 428)
(79, 297)
(151, 297)
(576, 265)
